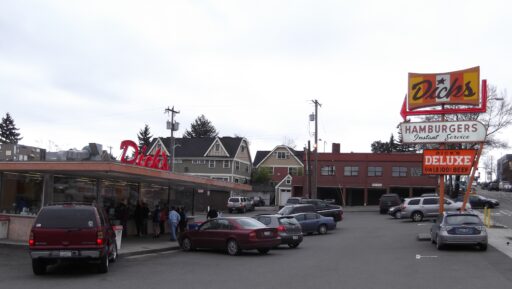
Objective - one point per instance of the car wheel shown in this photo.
(232, 247)
(38, 266)
(417, 216)
(322, 229)
(293, 245)
(263, 251)
(103, 266)
(439, 244)
(113, 255)
(483, 247)
(186, 245)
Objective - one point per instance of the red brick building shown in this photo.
(357, 179)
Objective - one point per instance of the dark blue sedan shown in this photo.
(314, 223)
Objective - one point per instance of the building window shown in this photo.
(294, 171)
(217, 147)
(243, 148)
(399, 172)
(374, 171)
(328, 171)
(225, 164)
(288, 181)
(237, 165)
(351, 171)
(211, 164)
(178, 161)
(416, 172)
(281, 155)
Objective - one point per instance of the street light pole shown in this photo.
(315, 190)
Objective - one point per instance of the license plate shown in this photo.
(65, 253)
(463, 231)
(267, 233)
(295, 237)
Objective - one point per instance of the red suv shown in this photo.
(72, 232)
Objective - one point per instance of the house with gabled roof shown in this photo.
(220, 158)
(283, 163)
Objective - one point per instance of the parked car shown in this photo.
(325, 209)
(387, 201)
(239, 204)
(427, 207)
(75, 232)
(232, 234)
(293, 201)
(395, 211)
(505, 186)
(294, 209)
(258, 201)
(287, 227)
(315, 223)
(494, 186)
(477, 201)
(453, 228)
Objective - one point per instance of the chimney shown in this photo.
(335, 148)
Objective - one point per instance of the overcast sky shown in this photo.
(74, 72)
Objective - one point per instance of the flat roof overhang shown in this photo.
(115, 170)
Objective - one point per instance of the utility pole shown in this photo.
(173, 126)
(315, 170)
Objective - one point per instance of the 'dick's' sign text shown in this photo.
(457, 87)
(448, 162)
(156, 161)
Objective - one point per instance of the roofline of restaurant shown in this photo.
(119, 168)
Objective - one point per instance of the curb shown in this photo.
(148, 251)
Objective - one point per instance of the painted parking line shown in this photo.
(151, 254)
(418, 256)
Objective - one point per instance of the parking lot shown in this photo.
(367, 250)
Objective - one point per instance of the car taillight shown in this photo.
(252, 235)
(281, 228)
(99, 238)
(31, 241)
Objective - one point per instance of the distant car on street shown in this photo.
(477, 201)
(239, 204)
(232, 234)
(315, 223)
(505, 186)
(494, 186)
(395, 211)
(287, 227)
(258, 201)
(453, 228)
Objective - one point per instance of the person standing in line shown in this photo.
(156, 222)
(145, 217)
(139, 218)
(212, 214)
(174, 219)
(163, 218)
(183, 219)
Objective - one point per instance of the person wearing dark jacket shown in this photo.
(212, 214)
(183, 219)
(156, 222)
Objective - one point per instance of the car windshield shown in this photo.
(463, 220)
(288, 221)
(63, 218)
(248, 223)
(233, 200)
(285, 211)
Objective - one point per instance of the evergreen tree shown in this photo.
(8, 131)
(201, 127)
(144, 137)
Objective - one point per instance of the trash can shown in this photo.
(119, 234)
(4, 227)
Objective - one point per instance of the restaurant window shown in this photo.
(21, 193)
(374, 171)
(328, 171)
(399, 172)
(74, 189)
(351, 171)
(119, 199)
